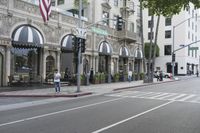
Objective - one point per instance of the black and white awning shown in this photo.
(138, 54)
(123, 52)
(27, 36)
(105, 48)
(66, 43)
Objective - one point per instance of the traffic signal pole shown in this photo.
(79, 49)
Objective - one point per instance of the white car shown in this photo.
(166, 75)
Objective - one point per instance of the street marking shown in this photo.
(167, 96)
(58, 112)
(185, 98)
(133, 117)
(174, 98)
(159, 95)
(163, 96)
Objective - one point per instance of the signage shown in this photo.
(99, 31)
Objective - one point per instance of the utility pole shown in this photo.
(79, 48)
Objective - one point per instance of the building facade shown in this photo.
(186, 31)
(30, 49)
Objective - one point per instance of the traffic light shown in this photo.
(83, 46)
(119, 23)
(81, 43)
(75, 43)
(173, 57)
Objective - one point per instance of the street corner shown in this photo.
(76, 94)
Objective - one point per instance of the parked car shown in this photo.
(165, 74)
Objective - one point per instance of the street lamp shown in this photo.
(173, 41)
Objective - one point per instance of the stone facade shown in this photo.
(14, 13)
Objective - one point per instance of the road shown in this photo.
(163, 108)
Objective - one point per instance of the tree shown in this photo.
(147, 50)
(169, 7)
(165, 8)
(76, 3)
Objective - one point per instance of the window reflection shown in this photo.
(24, 63)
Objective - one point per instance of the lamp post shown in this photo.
(173, 43)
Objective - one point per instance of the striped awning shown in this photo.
(138, 54)
(66, 43)
(104, 48)
(27, 36)
(123, 52)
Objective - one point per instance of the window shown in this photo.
(115, 2)
(168, 21)
(150, 23)
(168, 34)
(150, 13)
(189, 23)
(105, 16)
(168, 49)
(132, 27)
(60, 2)
(150, 35)
(53, 3)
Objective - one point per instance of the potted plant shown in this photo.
(141, 76)
(102, 77)
(116, 77)
(96, 78)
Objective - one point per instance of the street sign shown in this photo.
(81, 33)
(99, 31)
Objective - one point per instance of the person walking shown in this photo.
(57, 77)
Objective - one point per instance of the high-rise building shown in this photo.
(186, 31)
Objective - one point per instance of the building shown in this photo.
(186, 31)
(30, 49)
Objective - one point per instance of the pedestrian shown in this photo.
(130, 76)
(197, 73)
(161, 76)
(57, 77)
(91, 75)
(157, 75)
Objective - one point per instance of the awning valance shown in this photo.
(104, 48)
(27, 36)
(123, 52)
(66, 43)
(138, 54)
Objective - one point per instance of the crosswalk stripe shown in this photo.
(139, 95)
(169, 95)
(159, 95)
(186, 98)
(174, 98)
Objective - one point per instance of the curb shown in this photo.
(137, 86)
(48, 95)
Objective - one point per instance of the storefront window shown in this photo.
(25, 63)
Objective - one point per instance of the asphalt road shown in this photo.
(162, 108)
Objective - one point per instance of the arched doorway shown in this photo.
(50, 66)
(123, 63)
(68, 58)
(1, 69)
(26, 53)
(105, 60)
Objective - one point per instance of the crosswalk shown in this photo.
(159, 96)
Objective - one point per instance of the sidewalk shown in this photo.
(70, 91)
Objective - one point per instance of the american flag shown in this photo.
(45, 9)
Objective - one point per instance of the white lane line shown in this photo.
(173, 94)
(58, 112)
(142, 94)
(174, 98)
(159, 95)
(185, 98)
(130, 118)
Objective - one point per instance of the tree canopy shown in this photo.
(147, 50)
(169, 7)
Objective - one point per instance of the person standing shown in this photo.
(57, 77)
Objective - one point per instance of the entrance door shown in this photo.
(1, 69)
